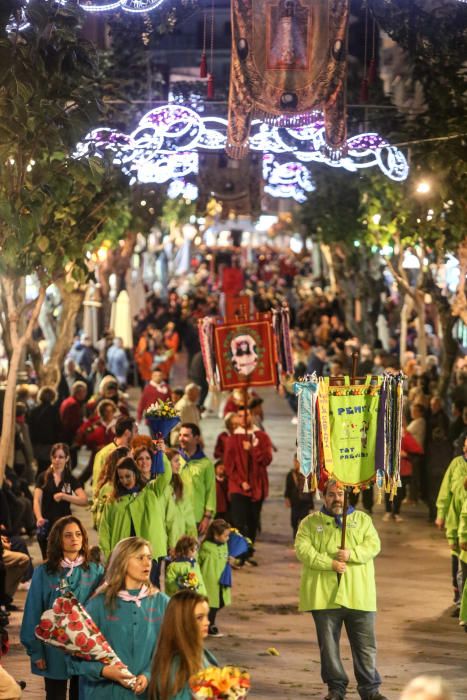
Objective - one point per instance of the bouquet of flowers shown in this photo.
(227, 683)
(161, 418)
(69, 627)
(188, 580)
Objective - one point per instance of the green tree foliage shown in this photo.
(52, 205)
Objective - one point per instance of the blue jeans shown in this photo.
(360, 628)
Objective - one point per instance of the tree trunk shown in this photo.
(327, 255)
(18, 345)
(72, 302)
(406, 310)
(421, 332)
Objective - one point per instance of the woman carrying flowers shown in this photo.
(184, 571)
(128, 611)
(180, 652)
(136, 508)
(67, 561)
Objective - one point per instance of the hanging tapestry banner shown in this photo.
(349, 425)
(245, 354)
(288, 60)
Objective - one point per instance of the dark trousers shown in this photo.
(213, 611)
(367, 499)
(57, 690)
(299, 511)
(360, 628)
(245, 514)
(394, 506)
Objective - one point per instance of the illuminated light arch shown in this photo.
(165, 147)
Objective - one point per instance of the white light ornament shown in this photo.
(182, 188)
(168, 138)
(288, 180)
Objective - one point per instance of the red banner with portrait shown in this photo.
(245, 354)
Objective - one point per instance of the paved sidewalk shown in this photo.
(414, 630)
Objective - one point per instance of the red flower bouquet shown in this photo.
(69, 627)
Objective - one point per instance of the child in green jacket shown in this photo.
(213, 558)
(184, 564)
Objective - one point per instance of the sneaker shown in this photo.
(334, 695)
(251, 562)
(375, 696)
(214, 632)
(398, 519)
(387, 517)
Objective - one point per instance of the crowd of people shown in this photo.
(156, 529)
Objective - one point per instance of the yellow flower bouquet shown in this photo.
(226, 683)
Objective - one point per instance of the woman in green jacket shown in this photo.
(180, 652)
(104, 485)
(136, 508)
(213, 558)
(185, 523)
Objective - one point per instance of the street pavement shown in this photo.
(265, 633)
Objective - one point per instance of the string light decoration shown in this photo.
(165, 146)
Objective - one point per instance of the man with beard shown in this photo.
(338, 588)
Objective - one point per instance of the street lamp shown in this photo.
(423, 187)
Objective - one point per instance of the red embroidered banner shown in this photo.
(245, 354)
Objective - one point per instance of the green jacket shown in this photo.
(98, 464)
(99, 503)
(318, 539)
(199, 478)
(462, 531)
(184, 522)
(146, 510)
(179, 568)
(212, 560)
(451, 496)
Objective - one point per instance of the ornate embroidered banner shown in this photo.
(288, 60)
(245, 354)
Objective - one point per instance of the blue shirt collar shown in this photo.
(337, 518)
(199, 454)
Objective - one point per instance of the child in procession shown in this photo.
(213, 557)
(184, 563)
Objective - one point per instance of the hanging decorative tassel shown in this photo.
(364, 83)
(203, 67)
(210, 90)
(364, 91)
(372, 72)
(372, 66)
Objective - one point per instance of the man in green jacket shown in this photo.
(338, 588)
(198, 475)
